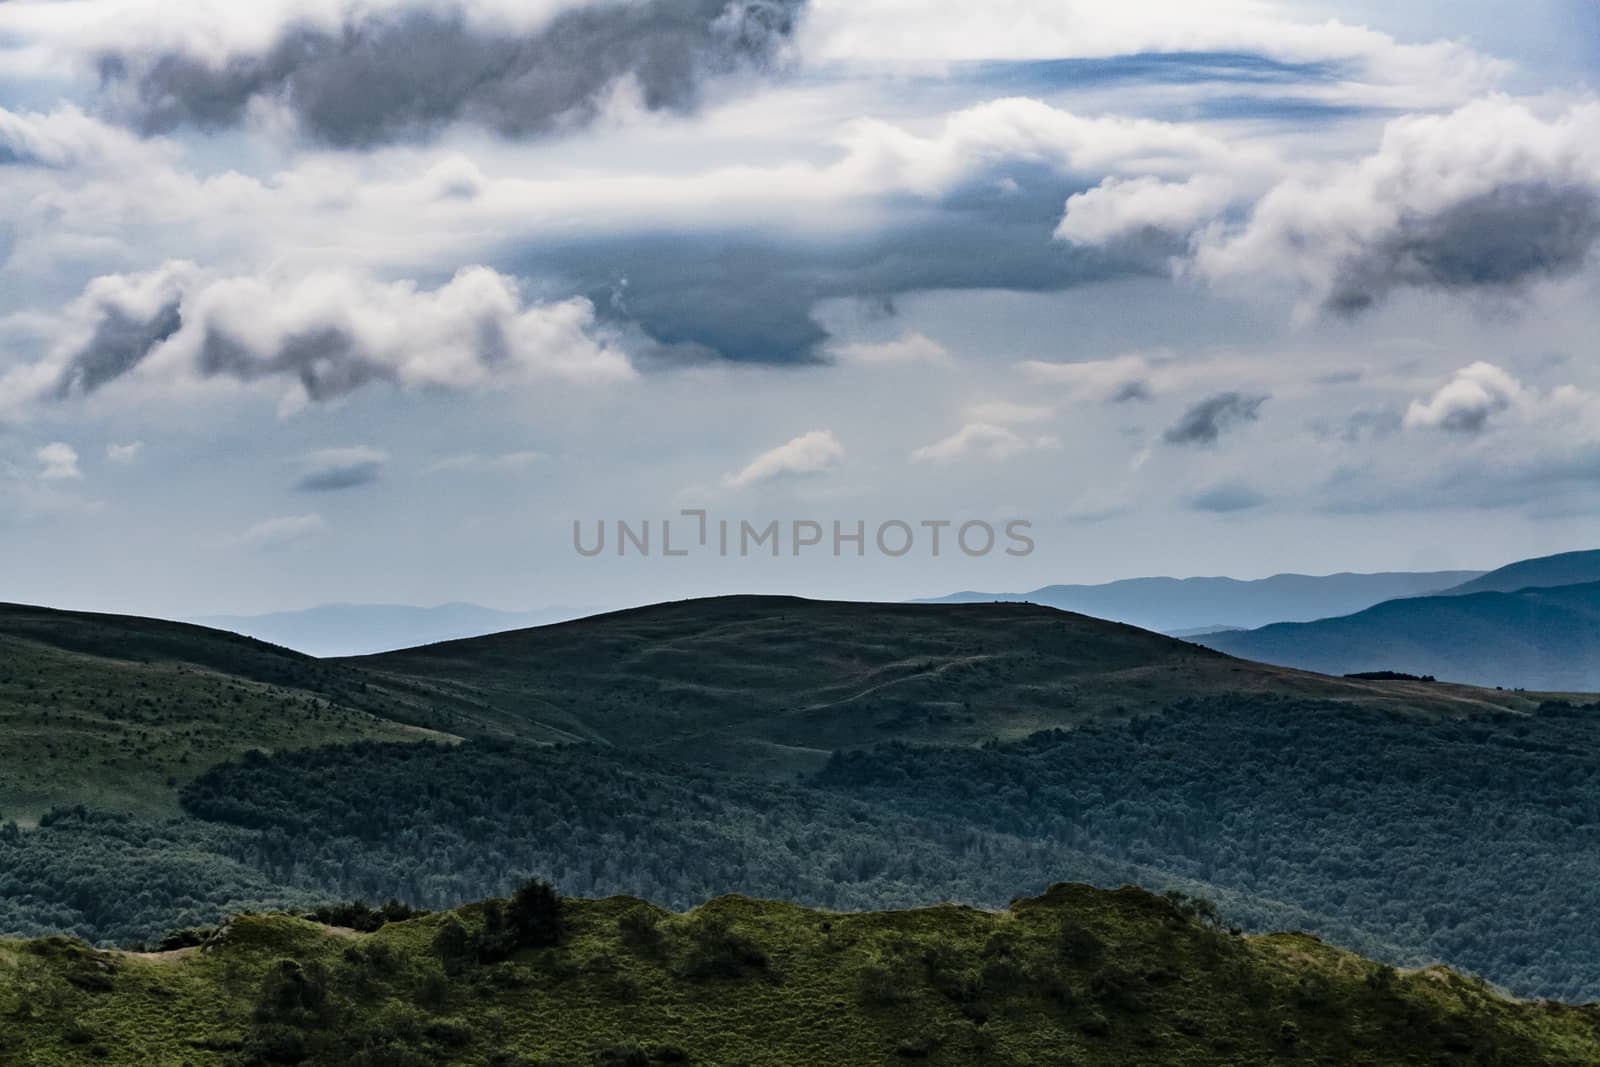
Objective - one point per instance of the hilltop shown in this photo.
(1566, 568)
(1076, 976)
(785, 681)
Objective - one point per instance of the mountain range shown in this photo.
(1534, 624)
(1188, 606)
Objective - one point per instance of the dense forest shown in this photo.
(1410, 839)
(1475, 841)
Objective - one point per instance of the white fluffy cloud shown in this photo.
(981, 440)
(1482, 395)
(59, 462)
(318, 336)
(66, 137)
(1119, 208)
(124, 454)
(810, 453)
(1489, 198)
(1469, 401)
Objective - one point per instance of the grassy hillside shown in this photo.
(783, 681)
(117, 713)
(1567, 568)
(1538, 638)
(1078, 976)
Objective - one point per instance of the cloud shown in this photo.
(332, 469)
(323, 335)
(907, 350)
(117, 322)
(1008, 413)
(984, 440)
(1120, 209)
(1208, 420)
(1115, 380)
(1468, 402)
(1487, 199)
(810, 453)
(64, 139)
(472, 463)
(122, 455)
(60, 462)
(1366, 61)
(389, 73)
(1227, 497)
(274, 533)
(1358, 425)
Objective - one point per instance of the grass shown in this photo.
(777, 682)
(1078, 976)
(118, 714)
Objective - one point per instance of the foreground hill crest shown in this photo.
(1075, 976)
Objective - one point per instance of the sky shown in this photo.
(307, 301)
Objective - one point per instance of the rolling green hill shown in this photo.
(1536, 638)
(781, 682)
(1078, 976)
(117, 712)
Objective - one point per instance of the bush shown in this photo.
(719, 951)
(186, 938)
(1079, 946)
(640, 931)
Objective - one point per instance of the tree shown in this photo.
(535, 914)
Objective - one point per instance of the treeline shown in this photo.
(438, 824)
(1476, 842)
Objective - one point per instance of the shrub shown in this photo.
(453, 945)
(1079, 946)
(719, 951)
(640, 931)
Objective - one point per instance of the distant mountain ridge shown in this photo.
(1566, 568)
(1187, 606)
(1544, 638)
(329, 630)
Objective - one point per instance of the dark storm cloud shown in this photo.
(385, 78)
(120, 342)
(749, 297)
(1138, 389)
(1509, 236)
(1213, 416)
